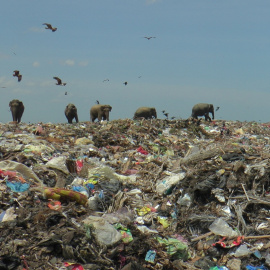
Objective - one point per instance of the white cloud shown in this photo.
(36, 64)
(69, 62)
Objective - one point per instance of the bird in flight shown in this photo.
(17, 74)
(217, 108)
(49, 26)
(106, 80)
(65, 93)
(97, 101)
(165, 114)
(59, 81)
(125, 83)
(149, 37)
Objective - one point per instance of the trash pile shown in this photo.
(135, 194)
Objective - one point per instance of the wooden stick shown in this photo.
(201, 236)
(245, 192)
(257, 237)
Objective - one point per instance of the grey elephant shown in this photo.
(203, 109)
(71, 113)
(17, 109)
(145, 112)
(100, 112)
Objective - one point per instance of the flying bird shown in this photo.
(65, 93)
(166, 114)
(49, 26)
(125, 83)
(106, 80)
(217, 108)
(149, 37)
(59, 81)
(17, 74)
(97, 101)
(173, 117)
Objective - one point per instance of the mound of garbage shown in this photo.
(135, 194)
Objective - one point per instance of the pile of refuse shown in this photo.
(135, 194)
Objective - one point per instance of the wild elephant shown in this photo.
(71, 113)
(17, 109)
(203, 109)
(145, 112)
(100, 112)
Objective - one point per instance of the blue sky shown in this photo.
(205, 51)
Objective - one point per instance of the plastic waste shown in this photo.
(105, 233)
(219, 268)
(184, 200)
(150, 256)
(123, 215)
(125, 232)
(73, 266)
(164, 222)
(81, 189)
(17, 186)
(164, 185)
(8, 215)
(243, 250)
(250, 267)
(175, 248)
(145, 229)
(221, 227)
(20, 168)
(58, 163)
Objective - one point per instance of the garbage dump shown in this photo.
(135, 194)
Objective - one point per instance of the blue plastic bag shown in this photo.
(17, 186)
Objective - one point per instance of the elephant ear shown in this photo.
(110, 108)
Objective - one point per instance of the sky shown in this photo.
(204, 51)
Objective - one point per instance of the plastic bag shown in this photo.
(105, 233)
(168, 182)
(221, 227)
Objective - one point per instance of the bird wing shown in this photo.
(48, 25)
(58, 80)
(16, 72)
(19, 77)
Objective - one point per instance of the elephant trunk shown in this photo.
(14, 113)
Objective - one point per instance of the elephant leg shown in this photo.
(76, 118)
(207, 117)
